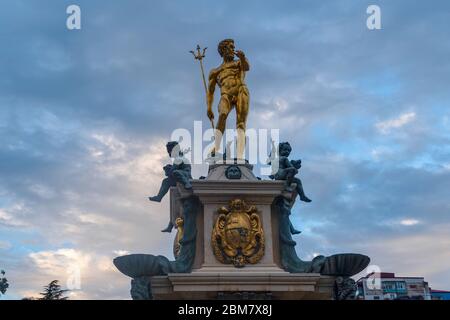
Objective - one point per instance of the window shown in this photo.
(402, 285)
(376, 298)
(389, 286)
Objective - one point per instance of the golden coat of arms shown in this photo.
(237, 236)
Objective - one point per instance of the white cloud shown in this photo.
(409, 222)
(266, 116)
(133, 160)
(58, 262)
(386, 126)
(121, 252)
(95, 219)
(14, 216)
(423, 253)
(281, 104)
(107, 147)
(42, 191)
(91, 271)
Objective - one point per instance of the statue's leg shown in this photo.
(165, 186)
(224, 110)
(289, 174)
(168, 228)
(300, 190)
(182, 177)
(242, 106)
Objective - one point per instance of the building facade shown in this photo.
(440, 295)
(386, 286)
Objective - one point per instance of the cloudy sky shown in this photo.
(85, 114)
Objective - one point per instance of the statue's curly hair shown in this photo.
(170, 145)
(284, 145)
(222, 45)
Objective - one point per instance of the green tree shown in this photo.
(53, 291)
(3, 283)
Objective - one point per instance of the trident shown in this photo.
(199, 56)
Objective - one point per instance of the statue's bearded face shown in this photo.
(228, 52)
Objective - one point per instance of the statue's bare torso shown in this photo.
(229, 77)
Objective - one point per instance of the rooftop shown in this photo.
(387, 275)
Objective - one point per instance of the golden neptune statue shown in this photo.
(229, 77)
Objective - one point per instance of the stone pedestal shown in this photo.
(262, 285)
(210, 278)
